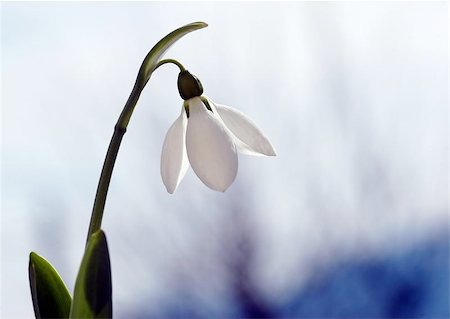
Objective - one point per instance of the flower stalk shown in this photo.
(105, 177)
(150, 64)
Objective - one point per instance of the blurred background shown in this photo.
(349, 220)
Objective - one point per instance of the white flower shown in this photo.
(209, 140)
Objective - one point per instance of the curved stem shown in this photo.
(173, 61)
(150, 63)
(105, 177)
(119, 130)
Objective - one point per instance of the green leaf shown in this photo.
(92, 297)
(155, 54)
(51, 299)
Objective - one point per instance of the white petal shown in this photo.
(211, 150)
(253, 141)
(174, 162)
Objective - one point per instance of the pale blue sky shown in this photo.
(352, 95)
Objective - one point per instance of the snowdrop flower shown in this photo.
(208, 136)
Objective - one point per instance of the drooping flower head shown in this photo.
(208, 136)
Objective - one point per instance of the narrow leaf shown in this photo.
(92, 296)
(50, 296)
(155, 54)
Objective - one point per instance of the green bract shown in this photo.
(92, 297)
(155, 54)
(149, 65)
(51, 299)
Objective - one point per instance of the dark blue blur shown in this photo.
(407, 284)
(412, 284)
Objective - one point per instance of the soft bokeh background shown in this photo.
(349, 220)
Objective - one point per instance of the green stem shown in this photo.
(102, 189)
(178, 64)
(119, 130)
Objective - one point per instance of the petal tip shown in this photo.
(267, 151)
